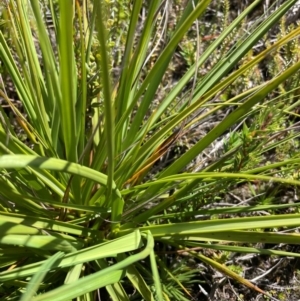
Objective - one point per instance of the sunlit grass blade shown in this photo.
(74, 273)
(83, 84)
(67, 80)
(126, 80)
(126, 243)
(41, 242)
(194, 246)
(240, 236)
(222, 225)
(8, 228)
(99, 279)
(139, 283)
(53, 98)
(156, 277)
(208, 176)
(116, 291)
(82, 286)
(46, 224)
(22, 161)
(108, 101)
(224, 210)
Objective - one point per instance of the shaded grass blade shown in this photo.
(35, 281)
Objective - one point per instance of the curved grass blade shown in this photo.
(22, 161)
(97, 280)
(82, 286)
(36, 280)
(111, 248)
(116, 290)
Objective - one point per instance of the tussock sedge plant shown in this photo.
(114, 171)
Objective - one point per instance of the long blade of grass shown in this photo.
(122, 99)
(108, 105)
(22, 161)
(111, 248)
(139, 283)
(35, 281)
(225, 210)
(33, 73)
(97, 280)
(41, 242)
(238, 249)
(223, 225)
(116, 291)
(67, 80)
(46, 224)
(82, 286)
(209, 176)
(156, 278)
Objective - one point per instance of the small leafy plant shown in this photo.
(125, 168)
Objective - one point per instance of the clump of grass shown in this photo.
(126, 164)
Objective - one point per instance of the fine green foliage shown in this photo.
(98, 174)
